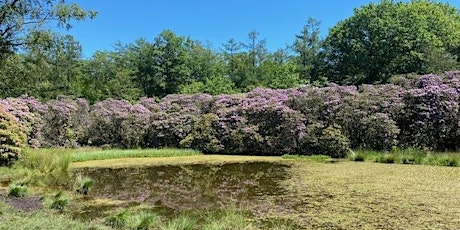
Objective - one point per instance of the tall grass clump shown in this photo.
(127, 219)
(407, 156)
(16, 190)
(84, 184)
(181, 222)
(50, 168)
(59, 201)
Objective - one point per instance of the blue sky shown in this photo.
(207, 20)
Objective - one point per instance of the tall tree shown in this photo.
(230, 49)
(58, 57)
(108, 75)
(307, 46)
(386, 38)
(162, 66)
(18, 18)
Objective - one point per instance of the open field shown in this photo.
(268, 193)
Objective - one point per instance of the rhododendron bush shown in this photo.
(420, 112)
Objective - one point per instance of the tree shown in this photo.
(230, 50)
(387, 38)
(19, 18)
(307, 45)
(108, 75)
(162, 66)
(55, 61)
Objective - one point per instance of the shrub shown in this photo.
(323, 140)
(204, 135)
(11, 139)
(429, 118)
(118, 123)
(387, 158)
(167, 129)
(29, 113)
(65, 122)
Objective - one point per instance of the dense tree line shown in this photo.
(379, 41)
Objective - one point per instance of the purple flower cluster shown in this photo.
(420, 112)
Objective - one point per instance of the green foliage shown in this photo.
(128, 219)
(316, 158)
(387, 38)
(407, 156)
(59, 201)
(21, 18)
(12, 139)
(161, 66)
(307, 45)
(204, 136)
(43, 220)
(326, 141)
(45, 168)
(213, 85)
(108, 75)
(84, 185)
(182, 222)
(16, 190)
(98, 154)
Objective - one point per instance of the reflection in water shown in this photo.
(188, 186)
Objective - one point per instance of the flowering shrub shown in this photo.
(117, 123)
(429, 118)
(415, 111)
(11, 138)
(28, 112)
(65, 122)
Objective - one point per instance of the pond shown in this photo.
(184, 187)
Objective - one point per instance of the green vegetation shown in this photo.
(84, 185)
(37, 168)
(345, 195)
(10, 219)
(407, 156)
(206, 220)
(316, 158)
(59, 201)
(17, 190)
(374, 44)
(98, 154)
(12, 139)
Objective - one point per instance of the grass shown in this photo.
(17, 190)
(316, 158)
(408, 156)
(98, 154)
(10, 219)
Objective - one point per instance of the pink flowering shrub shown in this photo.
(416, 111)
(117, 123)
(430, 116)
(65, 122)
(174, 119)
